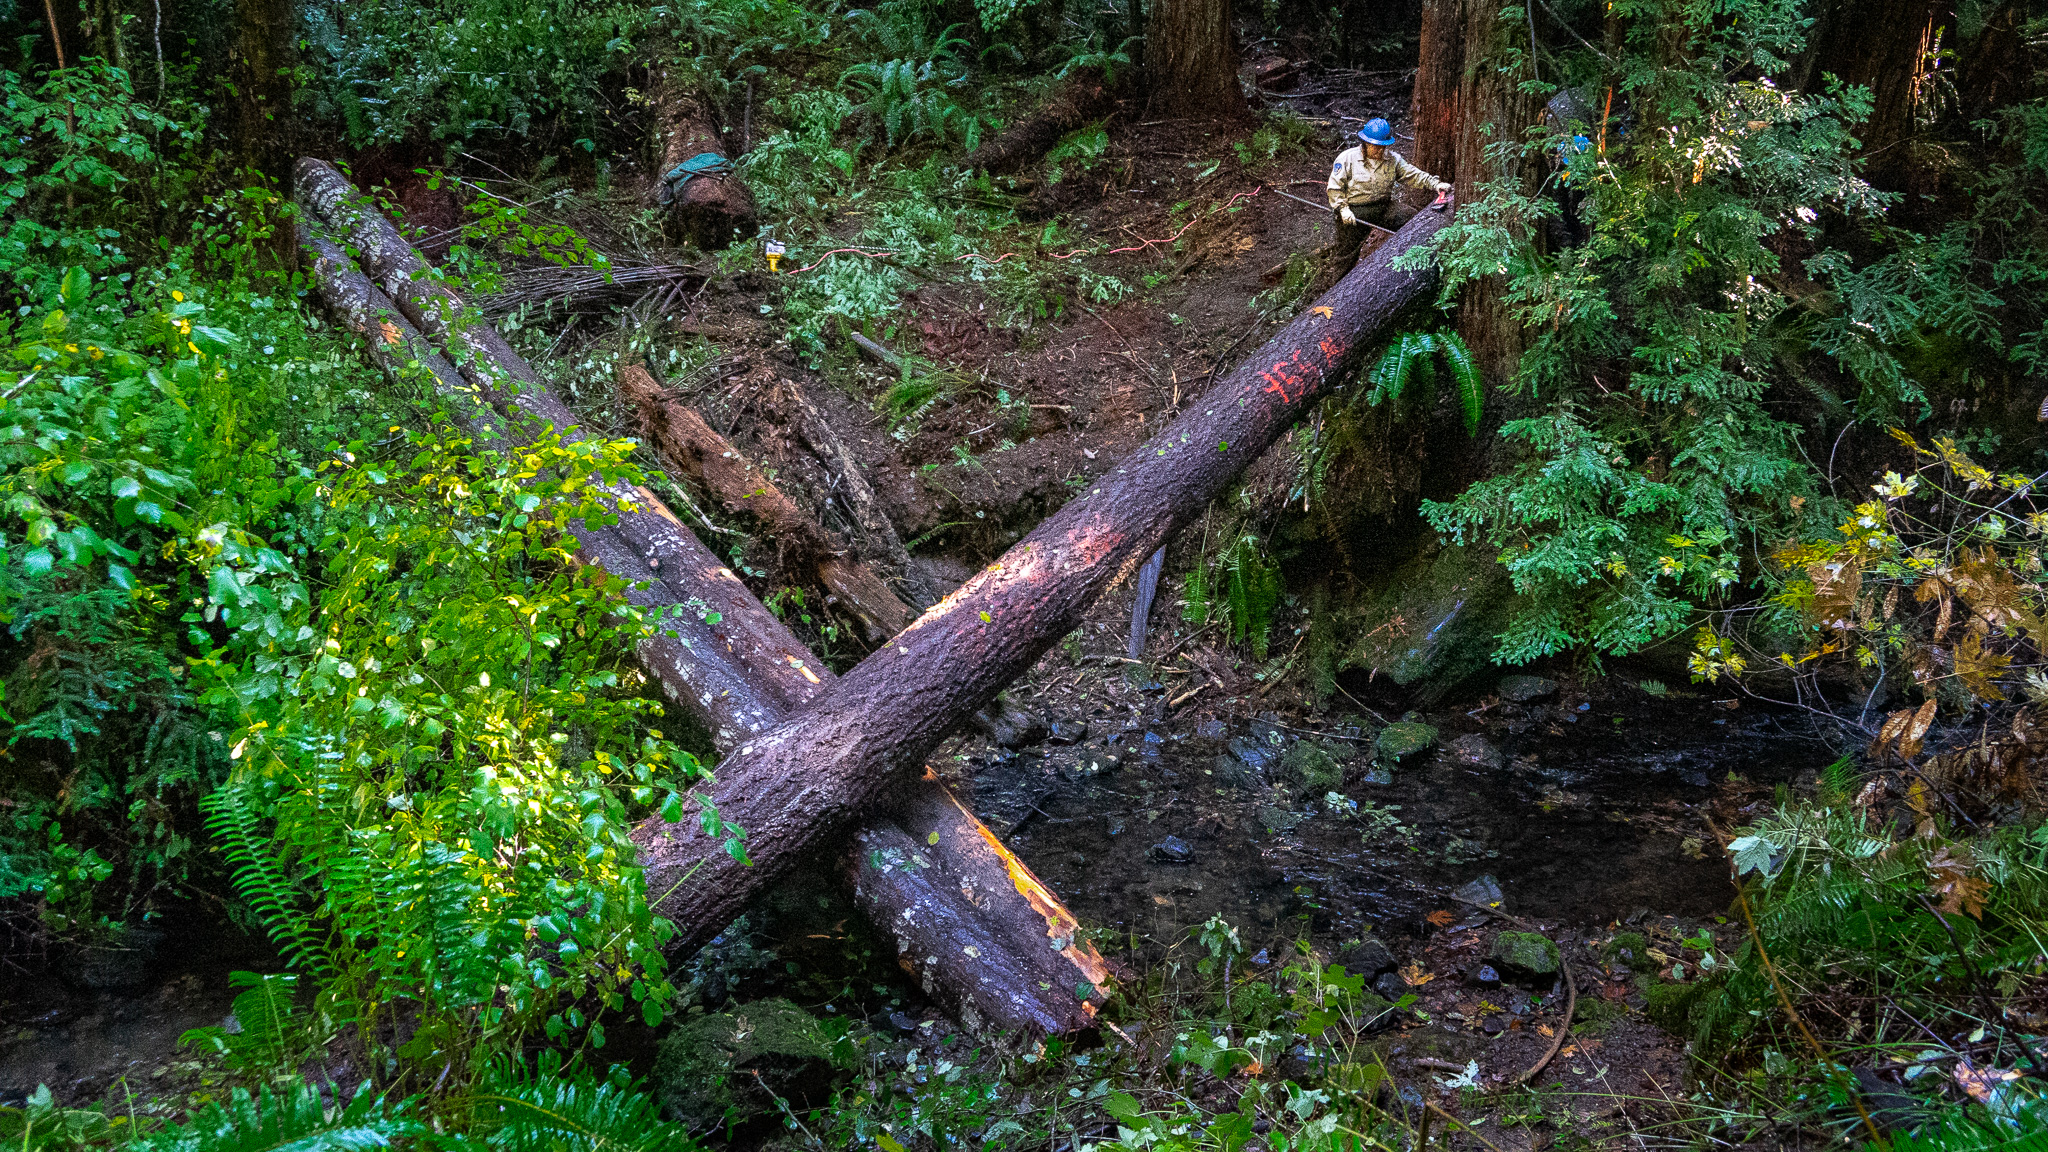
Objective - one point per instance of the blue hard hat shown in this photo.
(1377, 131)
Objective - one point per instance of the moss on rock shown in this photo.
(1526, 954)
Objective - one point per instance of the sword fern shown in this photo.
(1406, 374)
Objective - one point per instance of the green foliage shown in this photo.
(1285, 133)
(390, 72)
(296, 1119)
(1241, 586)
(1406, 374)
(1079, 148)
(542, 1108)
(465, 693)
(1654, 342)
(271, 1031)
(912, 95)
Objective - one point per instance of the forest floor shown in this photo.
(1165, 795)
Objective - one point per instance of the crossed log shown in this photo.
(815, 759)
(985, 936)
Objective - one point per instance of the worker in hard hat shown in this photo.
(1362, 183)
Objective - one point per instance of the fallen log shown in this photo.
(695, 449)
(983, 935)
(1086, 94)
(878, 536)
(712, 207)
(807, 781)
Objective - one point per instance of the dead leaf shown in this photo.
(1323, 310)
(1904, 731)
(1980, 1083)
(1977, 668)
(1951, 882)
(1416, 976)
(1441, 917)
(390, 331)
(1253, 1068)
(1546, 1030)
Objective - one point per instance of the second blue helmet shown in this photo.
(1377, 131)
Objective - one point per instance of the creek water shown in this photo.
(1586, 806)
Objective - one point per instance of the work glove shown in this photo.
(1345, 214)
(1443, 187)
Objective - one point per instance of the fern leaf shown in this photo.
(1465, 374)
(1404, 365)
(261, 879)
(293, 1120)
(1382, 375)
(547, 1110)
(1424, 391)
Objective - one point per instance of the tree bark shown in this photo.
(1882, 45)
(878, 538)
(1085, 95)
(1462, 103)
(264, 44)
(693, 448)
(712, 211)
(1191, 60)
(804, 784)
(987, 939)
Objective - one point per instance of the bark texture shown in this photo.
(878, 538)
(1191, 60)
(985, 937)
(696, 450)
(1083, 96)
(712, 211)
(1462, 102)
(1880, 44)
(806, 783)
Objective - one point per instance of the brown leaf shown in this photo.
(1951, 884)
(1979, 1083)
(1904, 731)
(1836, 585)
(1441, 917)
(1977, 667)
(1416, 976)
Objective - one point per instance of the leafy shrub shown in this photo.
(390, 72)
(912, 95)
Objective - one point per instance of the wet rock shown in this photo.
(1484, 890)
(1391, 986)
(1258, 753)
(1430, 624)
(1474, 751)
(1066, 732)
(1314, 768)
(1483, 975)
(1010, 725)
(1151, 745)
(1367, 958)
(1404, 739)
(1261, 958)
(1522, 689)
(1279, 819)
(1173, 850)
(1212, 730)
(1526, 956)
(1376, 773)
(1236, 773)
(902, 1022)
(1114, 825)
(1494, 1025)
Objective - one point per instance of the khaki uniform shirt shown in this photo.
(1354, 179)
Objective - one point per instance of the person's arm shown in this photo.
(1413, 177)
(1338, 173)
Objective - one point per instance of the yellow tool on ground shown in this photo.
(775, 250)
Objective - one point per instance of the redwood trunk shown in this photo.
(1880, 44)
(1191, 59)
(986, 938)
(803, 786)
(1462, 102)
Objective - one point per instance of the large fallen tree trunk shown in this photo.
(713, 207)
(1083, 96)
(804, 784)
(986, 938)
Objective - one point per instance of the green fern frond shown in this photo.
(1423, 394)
(1465, 375)
(261, 879)
(546, 1110)
(1195, 595)
(295, 1119)
(1403, 368)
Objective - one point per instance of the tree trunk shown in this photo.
(712, 211)
(802, 786)
(1881, 44)
(987, 938)
(264, 44)
(1191, 60)
(1462, 103)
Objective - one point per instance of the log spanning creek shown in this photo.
(1586, 806)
